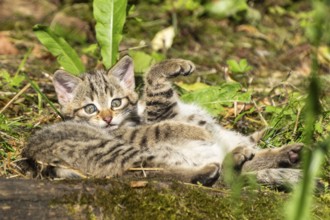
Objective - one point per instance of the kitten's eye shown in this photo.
(115, 103)
(90, 109)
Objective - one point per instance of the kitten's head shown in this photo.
(103, 99)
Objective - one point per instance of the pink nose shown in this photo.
(107, 119)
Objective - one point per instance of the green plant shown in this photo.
(110, 16)
(215, 98)
(9, 82)
(239, 67)
(299, 208)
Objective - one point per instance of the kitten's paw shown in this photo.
(242, 154)
(289, 155)
(176, 67)
(208, 175)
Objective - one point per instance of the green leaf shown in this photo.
(233, 66)
(110, 16)
(239, 67)
(142, 61)
(12, 81)
(245, 67)
(214, 98)
(65, 54)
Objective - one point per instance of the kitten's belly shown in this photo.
(187, 154)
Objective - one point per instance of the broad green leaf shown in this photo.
(65, 54)
(110, 16)
(214, 98)
(142, 61)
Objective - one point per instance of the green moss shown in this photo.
(117, 200)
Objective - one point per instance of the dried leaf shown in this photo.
(192, 87)
(163, 39)
(138, 184)
(6, 47)
(323, 55)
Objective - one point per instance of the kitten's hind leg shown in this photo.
(287, 156)
(276, 167)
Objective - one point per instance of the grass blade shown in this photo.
(65, 54)
(110, 16)
(36, 88)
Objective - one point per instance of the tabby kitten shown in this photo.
(103, 99)
(182, 138)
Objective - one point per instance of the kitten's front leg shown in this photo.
(159, 97)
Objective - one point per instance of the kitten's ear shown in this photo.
(124, 71)
(65, 84)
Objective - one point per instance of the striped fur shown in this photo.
(86, 150)
(182, 138)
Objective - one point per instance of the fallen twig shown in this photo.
(260, 115)
(146, 169)
(15, 97)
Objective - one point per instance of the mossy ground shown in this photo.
(276, 47)
(163, 199)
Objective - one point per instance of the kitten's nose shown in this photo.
(107, 119)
